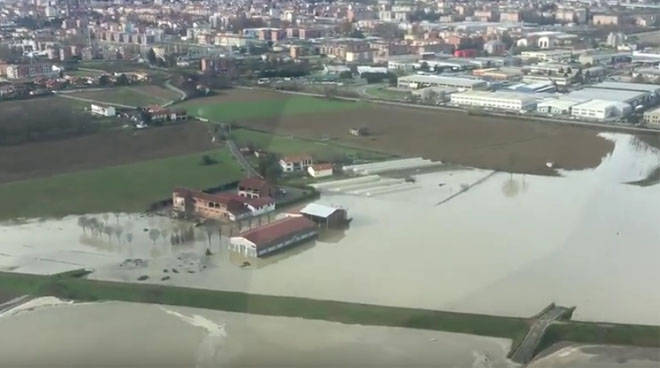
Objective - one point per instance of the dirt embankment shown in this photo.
(456, 137)
(102, 149)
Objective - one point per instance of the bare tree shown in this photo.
(108, 231)
(83, 222)
(118, 231)
(154, 234)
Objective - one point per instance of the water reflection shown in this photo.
(514, 185)
(240, 260)
(585, 229)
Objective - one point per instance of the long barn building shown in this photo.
(275, 236)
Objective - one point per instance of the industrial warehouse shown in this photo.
(421, 81)
(501, 100)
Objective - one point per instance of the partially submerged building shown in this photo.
(274, 236)
(323, 215)
(222, 206)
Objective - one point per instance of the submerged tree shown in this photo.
(154, 234)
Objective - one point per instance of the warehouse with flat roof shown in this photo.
(557, 106)
(652, 90)
(633, 98)
(600, 110)
(501, 100)
(421, 81)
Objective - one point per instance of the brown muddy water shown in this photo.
(115, 334)
(509, 245)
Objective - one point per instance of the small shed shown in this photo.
(325, 215)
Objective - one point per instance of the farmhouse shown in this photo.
(103, 110)
(274, 236)
(255, 188)
(293, 163)
(158, 113)
(319, 170)
(223, 206)
(178, 114)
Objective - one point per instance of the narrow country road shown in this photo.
(183, 95)
(64, 95)
(248, 169)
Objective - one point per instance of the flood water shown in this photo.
(123, 334)
(509, 245)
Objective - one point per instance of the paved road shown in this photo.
(525, 352)
(248, 169)
(183, 95)
(95, 101)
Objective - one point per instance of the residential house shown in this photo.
(320, 170)
(293, 163)
(222, 206)
(255, 188)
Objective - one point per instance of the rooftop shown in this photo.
(277, 230)
(606, 94)
(318, 210)
(458, 81)
(652, 88)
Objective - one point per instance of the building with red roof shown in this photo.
(274, 236)
(255, 188)
(222, 206)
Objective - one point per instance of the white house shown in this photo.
(293, 163)
(320, 170)
(103, 110)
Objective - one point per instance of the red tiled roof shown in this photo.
(255, 202)
(233, 202)
(296, 158)
(255, 183)
(322, 166)
(278, 230)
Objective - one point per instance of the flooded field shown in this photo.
(596, 356)
(502, 244)
(157, 336)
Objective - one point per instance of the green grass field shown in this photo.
(267, 108)
(386, 94)
(82, 289)
(321, 151)
(123, 188)
(601, 333)
(131, 96)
